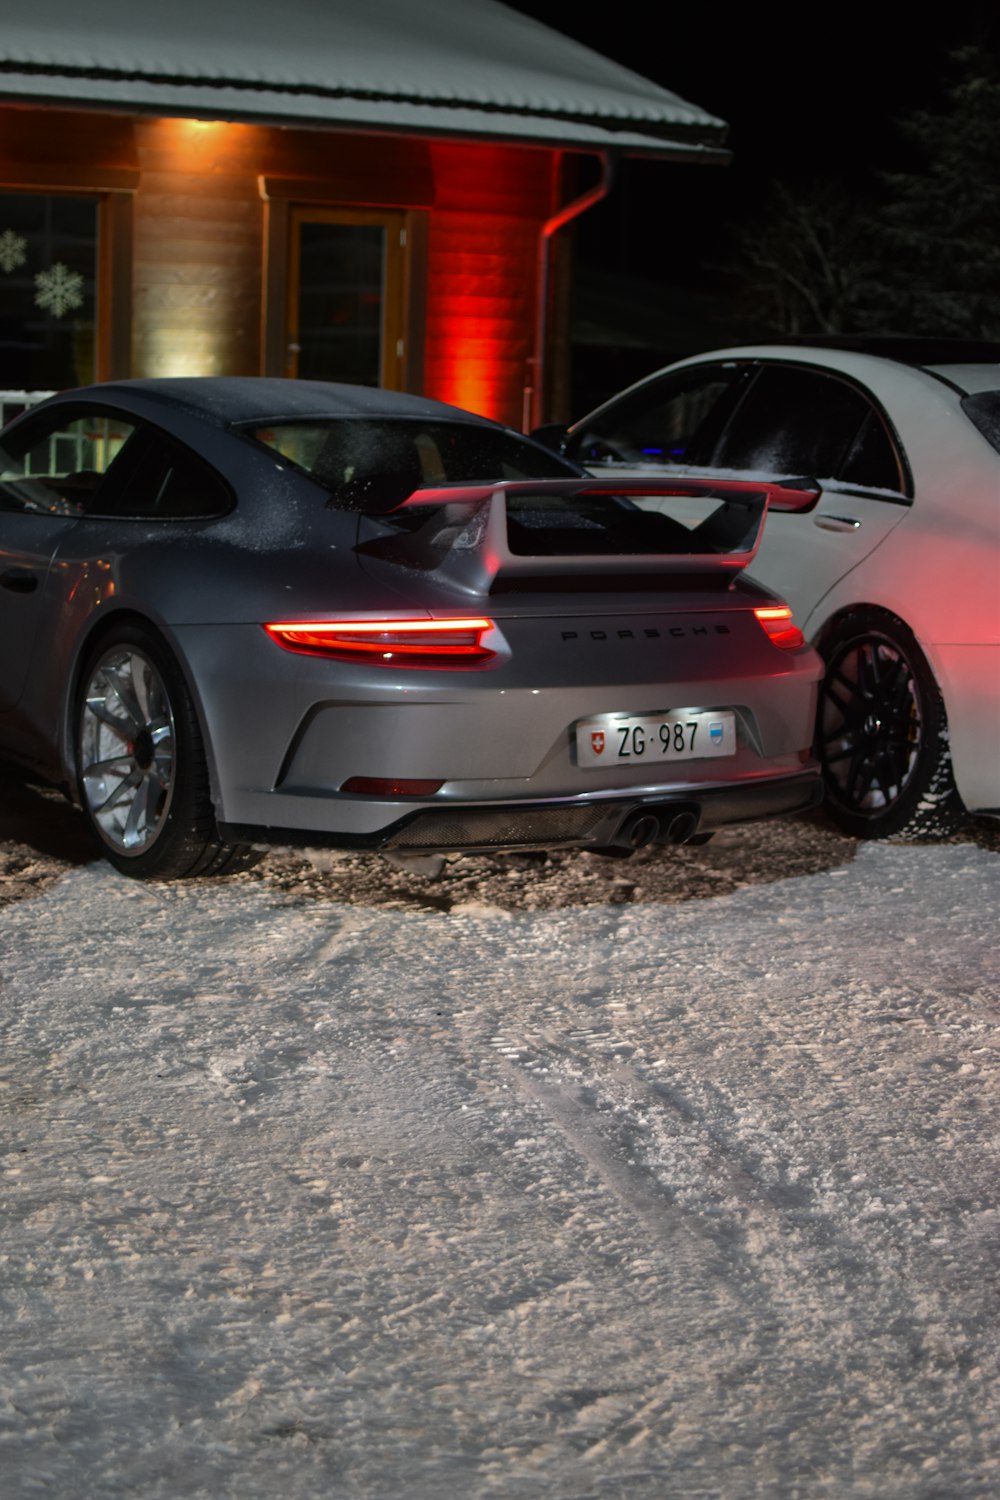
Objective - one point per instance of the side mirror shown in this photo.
(551, 435)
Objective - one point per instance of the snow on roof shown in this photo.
(452, 67)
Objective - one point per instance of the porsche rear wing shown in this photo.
(541, 528)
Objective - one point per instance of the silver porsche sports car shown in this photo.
(240, 612)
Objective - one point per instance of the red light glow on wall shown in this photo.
(473, 368)
(480, 313)
(482, 277)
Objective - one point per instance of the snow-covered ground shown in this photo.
(656, 1180)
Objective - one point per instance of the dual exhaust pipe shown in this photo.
(649, 825)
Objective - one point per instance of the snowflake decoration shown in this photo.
(59, 290)
(13, 250)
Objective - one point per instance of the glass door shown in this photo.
(346, 296)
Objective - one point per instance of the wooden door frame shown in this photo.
(401, 348)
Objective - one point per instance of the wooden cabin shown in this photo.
(360, 190)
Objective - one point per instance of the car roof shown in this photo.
(224, 400)
(970, 378)
(967, 365)
(923, 352)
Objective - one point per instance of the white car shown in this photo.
(892, 562)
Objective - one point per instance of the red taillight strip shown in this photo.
(394, 642)
(777, 622)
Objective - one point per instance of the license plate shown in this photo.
(681, 734)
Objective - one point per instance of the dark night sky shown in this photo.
(805, 93)
(802, 91)
(808, 94)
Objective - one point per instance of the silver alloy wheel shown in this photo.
(127, 749)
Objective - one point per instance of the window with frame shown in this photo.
(983, 411)
(100, 464)
(795, 421)
(672, 422)
(56, 462)
(159, 479)
(48, 290)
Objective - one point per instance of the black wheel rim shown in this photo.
(870, 726)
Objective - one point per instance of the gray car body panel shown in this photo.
(284, 730)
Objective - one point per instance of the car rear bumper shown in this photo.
(969, 677)
(624, 822)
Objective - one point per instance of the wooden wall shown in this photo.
(195, 250)
(482, 271)
(198, 234)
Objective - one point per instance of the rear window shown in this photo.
(374, 464)
(983, 411)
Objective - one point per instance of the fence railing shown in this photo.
(13, 403)
(80, 445)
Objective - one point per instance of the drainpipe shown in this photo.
(532, 411)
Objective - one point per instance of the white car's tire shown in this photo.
(882, 733)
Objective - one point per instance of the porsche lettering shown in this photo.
(649, 633)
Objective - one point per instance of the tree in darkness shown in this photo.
(938, 236)
(914, 251)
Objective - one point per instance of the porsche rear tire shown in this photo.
(882, 733)
(142, 771)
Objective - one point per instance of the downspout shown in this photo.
(532, 411)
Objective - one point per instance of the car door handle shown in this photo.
(828, 522)
(19, 581)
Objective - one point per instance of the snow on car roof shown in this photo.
(474, 67)
(228, 399)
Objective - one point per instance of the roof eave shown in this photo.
(383, 115)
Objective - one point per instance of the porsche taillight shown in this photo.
(398, 643)
(777, 623)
